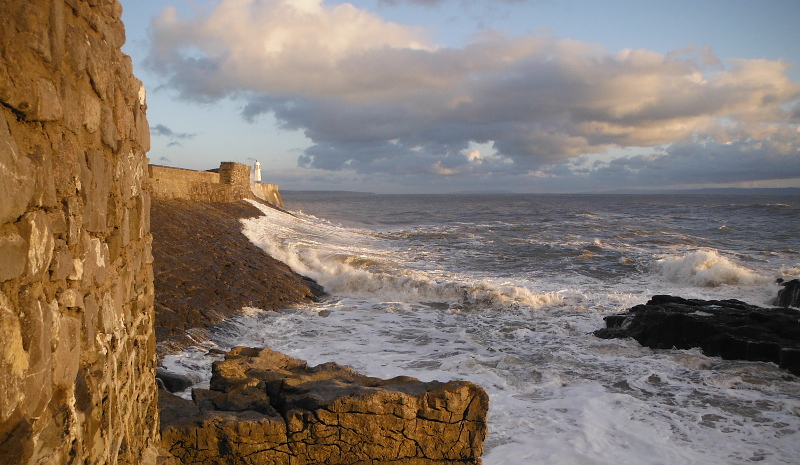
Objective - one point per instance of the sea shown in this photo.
(506, 290)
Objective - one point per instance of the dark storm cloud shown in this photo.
(161, 130)
(376, 97)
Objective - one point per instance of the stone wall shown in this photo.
(168, 174)
(268, 193)
(200, 186)
(230, 184)
(77, 347)
(235, 174)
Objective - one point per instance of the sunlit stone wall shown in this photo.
(77, 348)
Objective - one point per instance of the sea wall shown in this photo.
(77, 347)
(268, 193)
(230, 183)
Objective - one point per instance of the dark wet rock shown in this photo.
(266, 407)
(789, 294)
(730, 329)
(173, 382)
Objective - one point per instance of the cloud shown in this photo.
(174, 137)
(161, 130)
(436, 2)
(706, 162)
(380, 97)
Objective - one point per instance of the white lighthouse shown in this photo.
(258, 171)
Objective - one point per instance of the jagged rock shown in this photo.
(264, 407)
(789, 295)
(730, 329)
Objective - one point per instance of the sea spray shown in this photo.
(367, 271)
(707, 268)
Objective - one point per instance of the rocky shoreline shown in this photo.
(263, 406)
(266, 407)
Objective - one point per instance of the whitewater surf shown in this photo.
(505, 291)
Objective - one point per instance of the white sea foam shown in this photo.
(557, 394)
(349, 262)
(707, 268)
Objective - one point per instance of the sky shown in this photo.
(443, 96)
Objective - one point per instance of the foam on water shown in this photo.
(350, 262)
(558, 395)
(415, 301)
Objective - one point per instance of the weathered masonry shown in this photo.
(231, 182)
(77, 348)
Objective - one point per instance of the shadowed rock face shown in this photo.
(730, 329)
(268, 408)
(789, 295)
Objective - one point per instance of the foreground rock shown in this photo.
(730, 329)
(267, 408)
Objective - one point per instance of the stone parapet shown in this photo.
(233, 173)
(77, 346)
(230, 183)
(165, 173)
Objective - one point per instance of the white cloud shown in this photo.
(279, 47)
(375, 96)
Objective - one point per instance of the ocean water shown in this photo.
(506, 290)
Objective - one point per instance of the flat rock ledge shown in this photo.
(264, 407)
(730, 329)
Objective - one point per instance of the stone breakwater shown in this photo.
(266, 407)
(229, 183)
(206, 270)
(77, 345)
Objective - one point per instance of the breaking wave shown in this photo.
(707, 268)
(351, 262)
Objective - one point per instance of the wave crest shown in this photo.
(708, 269)
(347, 262)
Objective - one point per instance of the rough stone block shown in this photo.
(13, 359)
(48, 106)
(13, 253)
(77, 43)
(108, 128)
(67, 355)
(16, 177)
(324, 414)
(92, 109)
(35, 229)
(95, 187)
